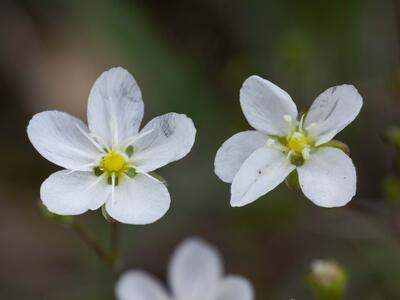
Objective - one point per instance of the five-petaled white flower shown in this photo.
(109, 162)
(195, 273)
(255, 162)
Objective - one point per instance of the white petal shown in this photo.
(235, 151)
(138, 200)
(115, 107)
(170, 137)
(266, 106)
(57, 137)
(328, 178)
(139, 285)
(195, 270)
(332, 111)
(67, 193)
(259, 174)
(235, 288)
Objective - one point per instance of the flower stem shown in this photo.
(114, 245)
(108, 259)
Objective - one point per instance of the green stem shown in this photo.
(114, 245)
(86, 236)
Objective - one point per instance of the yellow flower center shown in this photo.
(114, 162)
(297, 142)
(113, 165)
(298, 147)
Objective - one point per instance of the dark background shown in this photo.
(192, 57)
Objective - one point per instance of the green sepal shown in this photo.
(106, 215)
(292, 181)
(338, 145)
(280, 139)
(159, 177)
(68, 220)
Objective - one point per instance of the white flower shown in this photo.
(256, 161)
(109, 162)
(195, 273)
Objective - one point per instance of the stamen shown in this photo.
(89, 138)
(288, 118)
(301, 123)
(297, 135)
(312, 125)
(80, 152)
(147, 175)
(112, 189)
(100, 178)
(270, 142)
(101, 140)
(133, 139)
(83, 168)
(306, 153)
(290, 154)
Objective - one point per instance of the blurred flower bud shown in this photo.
(393, 134)
(327, 280)
(391, 188)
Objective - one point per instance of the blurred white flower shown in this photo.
(109, 161)
(195, 273)
(256, 161)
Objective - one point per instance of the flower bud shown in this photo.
(327, 280)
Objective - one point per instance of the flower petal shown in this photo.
(170, 137)
(235, 151)
(58, 137)
(328, 178)
(259, 174)
(195, 270)
(67, 193)
(235, 288)
(139, 200)
(139, 285)
(332, 111)
(115, 107)
(264, 105)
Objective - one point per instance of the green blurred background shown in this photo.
(192, 57)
